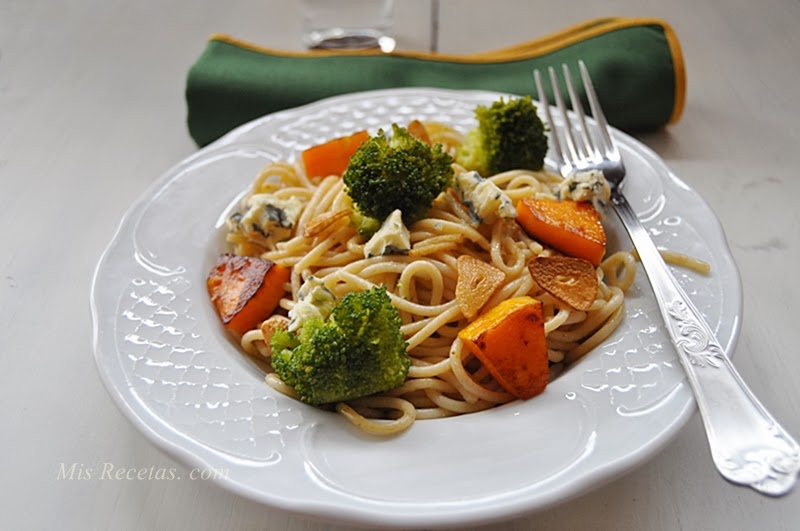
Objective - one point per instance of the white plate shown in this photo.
(174, 373)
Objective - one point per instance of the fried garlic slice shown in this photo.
(323, 221)
(571, 280)
(477, 280)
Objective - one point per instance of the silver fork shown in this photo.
(748, 446)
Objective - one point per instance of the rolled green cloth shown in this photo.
(636, 65)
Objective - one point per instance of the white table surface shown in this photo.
(92, 111)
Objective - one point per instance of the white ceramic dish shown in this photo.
(178, 378)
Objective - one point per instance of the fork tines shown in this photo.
(582, 150)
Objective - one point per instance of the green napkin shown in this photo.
(636, 65)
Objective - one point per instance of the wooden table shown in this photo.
(92, 111)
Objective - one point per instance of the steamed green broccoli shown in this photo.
(357, 351)
(509, 136)
(366, 226)
(401, 172)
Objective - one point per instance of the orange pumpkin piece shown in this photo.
(332, 157)
(509, 340)
(245, 290)
(572, 227)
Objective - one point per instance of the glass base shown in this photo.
(338, 39)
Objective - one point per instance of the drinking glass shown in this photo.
(348, 24)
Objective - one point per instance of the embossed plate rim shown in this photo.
(590, 471)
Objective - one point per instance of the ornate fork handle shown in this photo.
(748, 445)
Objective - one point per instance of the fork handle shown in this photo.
(748, 445)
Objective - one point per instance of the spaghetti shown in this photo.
(445, 378)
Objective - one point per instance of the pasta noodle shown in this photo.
(680, 259)
(445, 378)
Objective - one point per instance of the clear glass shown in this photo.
(348, 24)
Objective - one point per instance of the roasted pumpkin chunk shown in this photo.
(572, 227)
(332, 157)
(245, 290)
(510, 341)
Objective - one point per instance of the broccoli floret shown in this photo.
(401, 172)
(509, 136)
(365, 225)
(357, 351)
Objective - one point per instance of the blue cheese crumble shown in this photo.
(392, 238)
(483, 199)
(588, 186)
(314, 300)
(265, 219)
